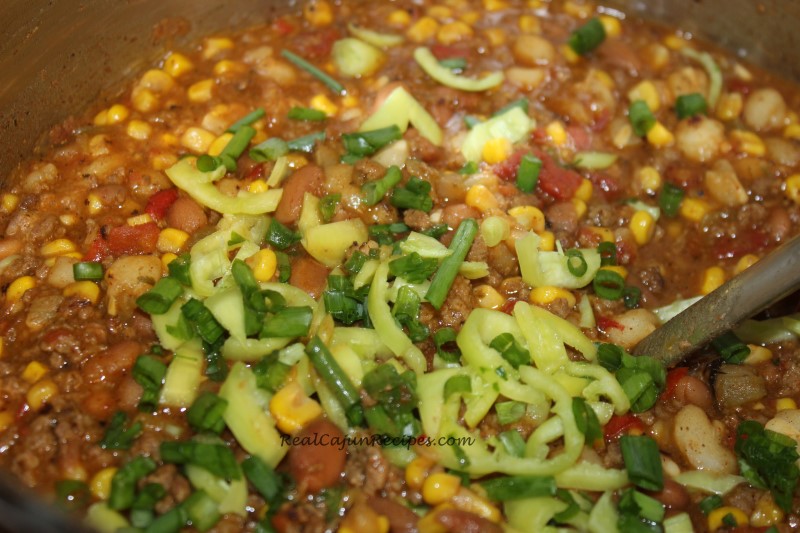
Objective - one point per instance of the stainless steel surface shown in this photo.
(771, 279)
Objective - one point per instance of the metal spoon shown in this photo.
(769, 280)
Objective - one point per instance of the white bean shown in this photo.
(526, 78)
(764, 109)
(127, 279)
(60, 274)
(636, 325)
(700, 442)
(724, 186)
(534, 50)
(699, 138)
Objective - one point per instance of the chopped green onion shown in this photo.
(642, 461)
(202, 511)
(374, 191)
(513, 442)
(521, 103)
(576, 263)
(208, 163)
(471, 121)
(236, 147)
(343, 302)
(415, 195)
(145, 502)
(298, 61)
(87, 270)
(117, 437)
(631, 296)
(306, 113)
(269, 150)
(336, 379)
(327, 206)
(413, 267)
(123, 484)
(610, 356)
(217, 458)
(528, 173)
(306, 142)
(608, 253)
(639, 512)
(588, 37)
(271, 373)
(205, 413)
(247, 120)
(160, 298)
(386, 233)
(235, 240)
(406, 311)
(572, 506)
(365, 143)
(469, 168)
(518, 487)
(149, 372)
(179, 269)
(509, 412)
(290, 322)
(608, 284)
(216, 366)
(198, 315)
(670, 198)
(641, 117)
(72, 494)
(356, 262)
(456, 64)
(457, 385)
(509, 348)
(731, 348)
(263, 478)
(448, 270)
(446, 338)
(436, 230)
(689, 105)
(710, 503)
(280, 236)
(586, 420)
(170, 522)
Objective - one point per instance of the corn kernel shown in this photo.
(643, 226)
(399, 18)
(496, 150)
(220, 143)
(529, 24)
(656, 55)
(792, 131)
(264, 264)
(139, 130)
(156, 80)
(649, 179)
(144, 100)
(675, 42)
(86, 290)
(169, 139)
(748, 142)
(792, 188)
(467, 500)
(296, 161)
(292, 409)
(40, 393)
(257, 186)
(226, 66)
(713, 277)
(715, 517)
(546, 295)
(694, 209)
(580, 207)
(166, 259)
(100, 484)
(646, 91)
(177, 64)
(440, 487)
(423, 29)
(197, 139)
(585, 190)
(745, 262)
(496, 36)
(729, 106)
(350, 101)
(453, 32)
(94, 203)
(440, 12)
(101, 118)
(470, 17)
(201, 91)
(6, 419)
(784, 404)
(766, 512)
(612, 25)
(758, 355)
(528, 217)
(117, 113)
(171, 240)
(57, 247)
(488, 297)
(660, 136)
(321, 102)
(495, 5)
(622, 136)
(34, 371)
(481, 198)
(555, 130)
(319, 13)
(9, 202)
(547, 242)
(213, 46)
(605, 234)
(417, 471)
(570, 56)
(617, 269)
(138, 220)
(19, 287)
(163, 161)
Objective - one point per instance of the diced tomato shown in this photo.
(746, 242)
(539, 135)
(739, 86)
(255, 172)
(673, 377)
(283, 26)
(609, 186)
(133, 240)
(449, 51)
(160, 202)
(318, 44)
(507, 169)
(560, 183)
(605, 323)
(98, 250)
(581, 138)
(508, 307)
(620, 425)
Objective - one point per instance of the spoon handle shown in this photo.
(769, 280)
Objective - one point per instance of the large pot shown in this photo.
(56, 57)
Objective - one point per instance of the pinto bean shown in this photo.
(100, 403)
(674, 496)
(401, 518)
(110, 364)
(318, 461)
(187, 215)
(128, 393)
(692, 390)
(309, 274)
(464, 522)
(309, 178)
(452, 215)
(779, 225)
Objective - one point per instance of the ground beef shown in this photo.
(177, 486)
(458, 304)
(417, 220)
